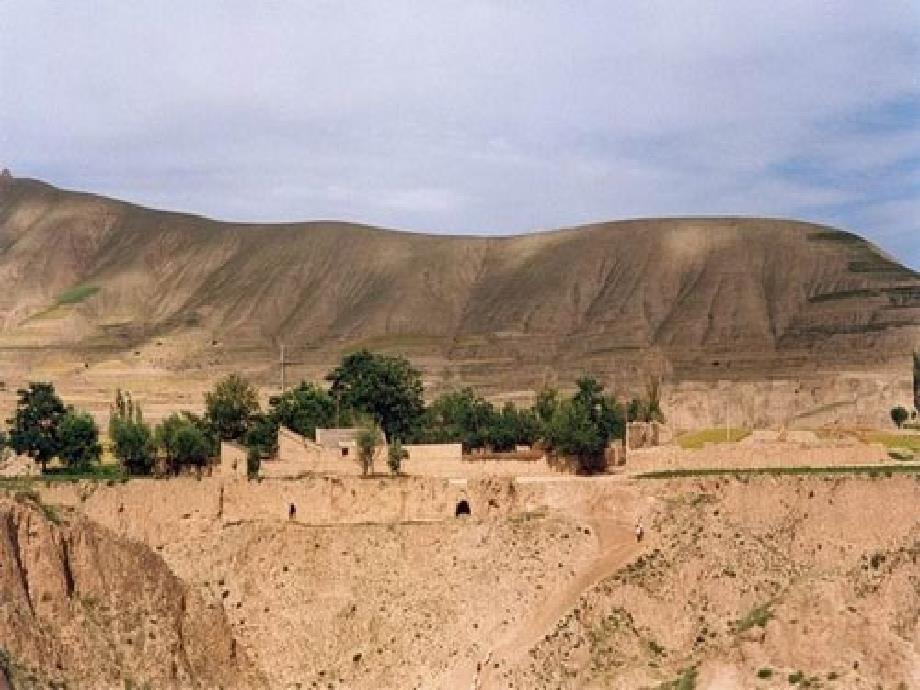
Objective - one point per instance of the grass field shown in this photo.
(911, 441)
(697, 439)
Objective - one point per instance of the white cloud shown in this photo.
(472, 116)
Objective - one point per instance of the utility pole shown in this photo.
(281, 361)
(727, 412)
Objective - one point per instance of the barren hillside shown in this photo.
(83, 608)
(696, 299)
(742, 582)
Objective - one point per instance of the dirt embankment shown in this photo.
(763, 583)
(81, 607)
(744, 583)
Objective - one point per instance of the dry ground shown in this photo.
(741, 583)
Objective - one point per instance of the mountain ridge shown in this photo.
(759, 296)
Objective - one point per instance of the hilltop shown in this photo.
(692, 299)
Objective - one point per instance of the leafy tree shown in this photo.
(899, 415)
(545, 407)
(262, 434)
(395, 456)
(35, 425)
(459, 416)
(206, 429)
(303, 409)
(574, 433)
(230, 406)
(367, 440)
(183, 442)
(583, 425)
(511, 427)
(79, 439)
(385, 387)
(131, 437)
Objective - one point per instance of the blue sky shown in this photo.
(474, 117)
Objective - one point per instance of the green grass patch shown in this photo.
(758, 616)
(685, 681)
(871, 470)
(77, 294)
(697, 439)
(909, 441)
(99, 473)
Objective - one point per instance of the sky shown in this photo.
(474, 117)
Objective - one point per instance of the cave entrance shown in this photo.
(463, 508)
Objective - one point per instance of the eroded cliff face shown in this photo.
(80, 606)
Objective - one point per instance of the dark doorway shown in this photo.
(463, 508)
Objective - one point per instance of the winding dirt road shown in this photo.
(617, 547)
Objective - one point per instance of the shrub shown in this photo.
(765, 673)
(395, 456)
(899, 415)
(367, 440)
(758, 616)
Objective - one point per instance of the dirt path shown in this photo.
(617, 546)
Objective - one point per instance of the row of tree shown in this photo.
(374, 392)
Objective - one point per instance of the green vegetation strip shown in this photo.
(697, 439)
(77, 294)
(871, 470)
(97, 473)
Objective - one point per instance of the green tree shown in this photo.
(79, 438)
(584, 425)
(385, 387)
(262, 434)
(395, 456)
(459, 416)
(545, 406)
(230, 406)
(899, 415)
(574, 433)
(367, 440)
(303, 409)
(34, 426)
(132, 439)
(184, 443)
(512, 426)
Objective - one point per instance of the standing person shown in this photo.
(292, 512)
(639, 531)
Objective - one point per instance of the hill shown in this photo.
(693, 299)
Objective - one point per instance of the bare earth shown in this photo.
(543, 586)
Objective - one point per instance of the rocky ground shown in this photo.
(758, 582)
(753, 584)
(83, 608)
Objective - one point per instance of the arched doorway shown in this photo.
(463, 508)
